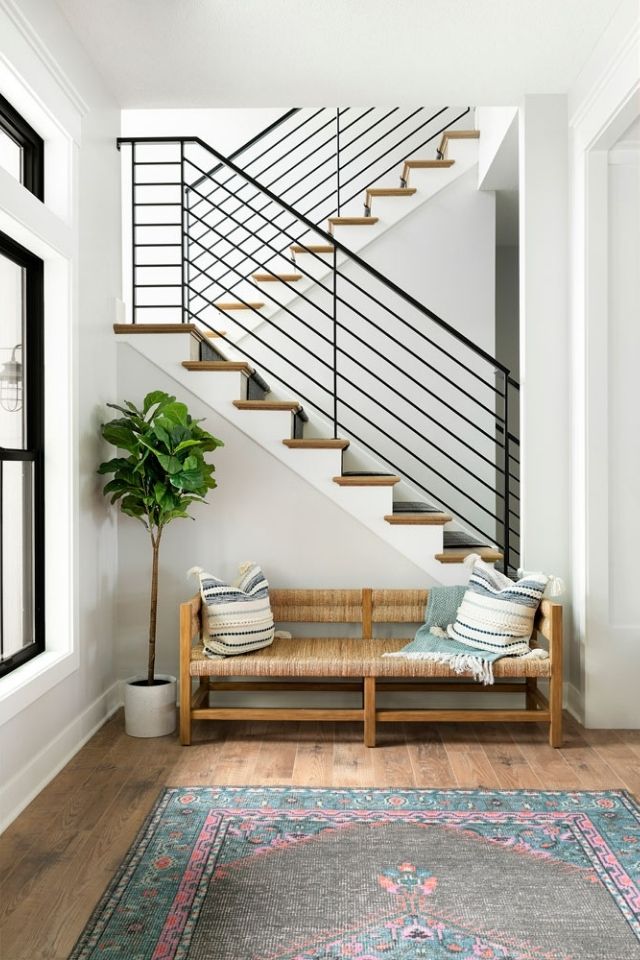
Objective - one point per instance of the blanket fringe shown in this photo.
(460, 663)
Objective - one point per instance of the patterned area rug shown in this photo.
(223, 873)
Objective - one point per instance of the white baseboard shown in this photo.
(18, 792)
(574, 701)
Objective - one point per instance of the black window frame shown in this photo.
(33, 448)
(31, 145)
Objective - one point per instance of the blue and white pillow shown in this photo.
(496, 613)
(238, 615)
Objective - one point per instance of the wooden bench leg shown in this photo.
(185, 709)
(369, 711)
(555, 682)
(531, 684)
(555, 709)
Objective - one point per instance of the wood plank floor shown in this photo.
(59, 855)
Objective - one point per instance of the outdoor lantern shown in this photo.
(11, 383)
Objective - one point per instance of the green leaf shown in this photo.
(169, 463)
(186, 444)
(117, 463)
(120, 435)
(156, 396)
(189, 480)
(177, 412)
(162, 434)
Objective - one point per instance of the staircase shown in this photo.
(273, 319)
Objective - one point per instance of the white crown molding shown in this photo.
(587, 104)
(12, 9)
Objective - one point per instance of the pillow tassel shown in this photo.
(471, 559)
(194, 572)
(555, 587)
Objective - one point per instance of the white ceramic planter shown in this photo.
(150, 711)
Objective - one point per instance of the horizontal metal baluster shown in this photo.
(264, 243)
(231, 269)
(230, 290)
(425, 389)
(377, 160)
(395, 440)
(419, 333)
(420, 359)
(209, 175)
(396, 162)
(261, 363)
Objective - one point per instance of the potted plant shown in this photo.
(164, 472)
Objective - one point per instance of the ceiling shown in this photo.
(250, 53)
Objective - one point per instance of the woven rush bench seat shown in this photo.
(341, 657)
(357, 665)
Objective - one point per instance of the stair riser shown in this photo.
(320, 463)
(167, 349)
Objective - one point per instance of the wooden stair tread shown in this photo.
(270, 277)
(291, 405)
(352, 221)
(458, 554)
(456, 135)
(418, 519)
(214, 333)
(316, 443)
(391, 191)
(234, 305)
(312, 248)
(217, 366)
(461, 135)
(428, 164)
(127, 328)
(364, 480)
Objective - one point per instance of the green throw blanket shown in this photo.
(432, 643)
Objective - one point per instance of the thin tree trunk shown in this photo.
(153, 610)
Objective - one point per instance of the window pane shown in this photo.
(10, 156)
(16, 556)
(12, 413)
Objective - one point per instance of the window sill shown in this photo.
(20, 688)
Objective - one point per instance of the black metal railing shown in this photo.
(353, 345)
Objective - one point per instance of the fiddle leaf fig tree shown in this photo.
(163, 473)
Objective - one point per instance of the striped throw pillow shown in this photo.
(239, 618)
(497, 613)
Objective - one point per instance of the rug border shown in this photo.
(166, 791)
(161, 798)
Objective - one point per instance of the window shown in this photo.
(21, 150)
(21, 455)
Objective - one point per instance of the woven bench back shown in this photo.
(316, 606)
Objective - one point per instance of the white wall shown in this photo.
(507, 307)
(498, 144)
(226, 130)
(603, 102)
(544, 358)
(49, 706)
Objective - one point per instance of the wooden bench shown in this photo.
(315, 664)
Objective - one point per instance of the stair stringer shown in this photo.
(390, 211)
(368, 505)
